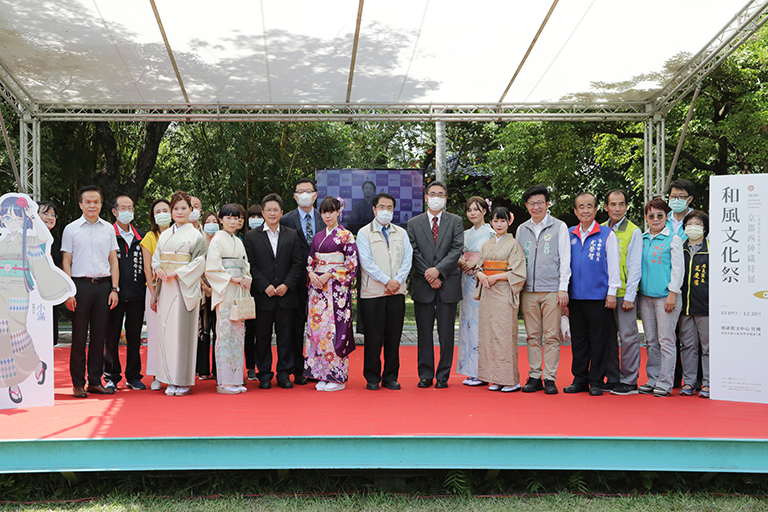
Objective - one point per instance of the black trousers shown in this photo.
(91, 313)
(205, 364)
(299, 323)
(250, 344)
(591, 328)
(426, 313)
(283, 320)
(384, 317)
(56, 315)
(133, 311)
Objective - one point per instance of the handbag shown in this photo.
(243, 306)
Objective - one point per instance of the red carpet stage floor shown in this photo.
(458, 412)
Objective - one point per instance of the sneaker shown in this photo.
(646, 389)
(625, 389)
(609, 386)
(494, 387)
(170, 390)
(334, 386)
(251, 375)
(661, 393)
(533, 385)
(704, 393)
(135, 384)
(686, 390)
(156, 385)
(228, 390)
(510, 389)
(182, 390)
(110, 385)
(320, 386)
(549, 387)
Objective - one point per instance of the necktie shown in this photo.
(434, 228)
(385, 230)
(310, 234)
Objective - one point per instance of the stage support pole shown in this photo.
(29, 147)
(440, 172)
(653, 161)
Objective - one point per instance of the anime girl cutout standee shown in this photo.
(24, 266)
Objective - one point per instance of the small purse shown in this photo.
(243, 306)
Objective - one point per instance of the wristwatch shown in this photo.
(116, 289)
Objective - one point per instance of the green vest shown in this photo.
(624, 234)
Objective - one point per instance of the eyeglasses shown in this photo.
(272, 210)
(50, 215)
(536, 204)
(382, 208)
(436, 194)
(679, 197)
(658, 216)
(8, 218)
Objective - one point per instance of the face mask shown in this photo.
(678, 205)
(694, 232)
(305, 199)
(384, 217)
(436, 203)
(163, 219)
(194, 216)
(254, 223)
(211, 228)
(125, 217)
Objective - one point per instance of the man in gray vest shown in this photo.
(385, 254)
(545, 242)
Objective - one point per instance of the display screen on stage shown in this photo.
(358, 186)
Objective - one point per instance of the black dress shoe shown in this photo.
(394, 385)
(533, 385)
(549, 387)
(285, 384)
(372, 387)
(425, 383)
(609, 385)
(596, 390)
(441, 384)
(576, 388)
(300, 380)
(265, 384)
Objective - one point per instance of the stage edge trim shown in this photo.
(386, 452)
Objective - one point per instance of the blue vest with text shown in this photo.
(657, 264)
(589, 264)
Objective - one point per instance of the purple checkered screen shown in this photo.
(404, 184)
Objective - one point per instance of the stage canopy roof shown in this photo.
(88, 59)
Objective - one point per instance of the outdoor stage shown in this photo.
(458, 427)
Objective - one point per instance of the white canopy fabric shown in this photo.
(97, 52)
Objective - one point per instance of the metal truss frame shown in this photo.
(741, 27)
(29, 147)
(653, 158)
(346, 112)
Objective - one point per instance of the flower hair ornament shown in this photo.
(488, 202)
(22, 202)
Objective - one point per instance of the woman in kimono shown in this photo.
(159, 220)
(474, 238)
(179, 263)
(23, 265)
(227, 269)
(500, 278)
(331, 268)
(205, 367)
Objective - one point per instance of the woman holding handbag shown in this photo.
(229, 274)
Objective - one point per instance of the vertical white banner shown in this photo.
(738, 287)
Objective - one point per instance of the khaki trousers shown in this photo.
(541, 315)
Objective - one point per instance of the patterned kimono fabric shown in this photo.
(329, 322)
(497, 355)
(226, 259)
(178, 303)
(18, 358)
(466, 362)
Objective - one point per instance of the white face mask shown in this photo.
(211, 228)
(194, 216)
(694, 232)
(125, 217)
(254, 223)
(384, 217)
(163, 219)
(436, 203)
(305, 199)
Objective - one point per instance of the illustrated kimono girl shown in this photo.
(24, 265)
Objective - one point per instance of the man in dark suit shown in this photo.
(306, 221)
(437, 238)
(276, 263)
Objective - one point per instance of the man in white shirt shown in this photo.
(595, 279)
(385, 254)
(89, 257)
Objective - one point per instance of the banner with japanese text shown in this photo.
(738, 288)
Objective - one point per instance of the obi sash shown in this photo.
(174, 260)
(491, 268)
(233, 266)
(328, 262)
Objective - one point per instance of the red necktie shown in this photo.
(434, 228)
